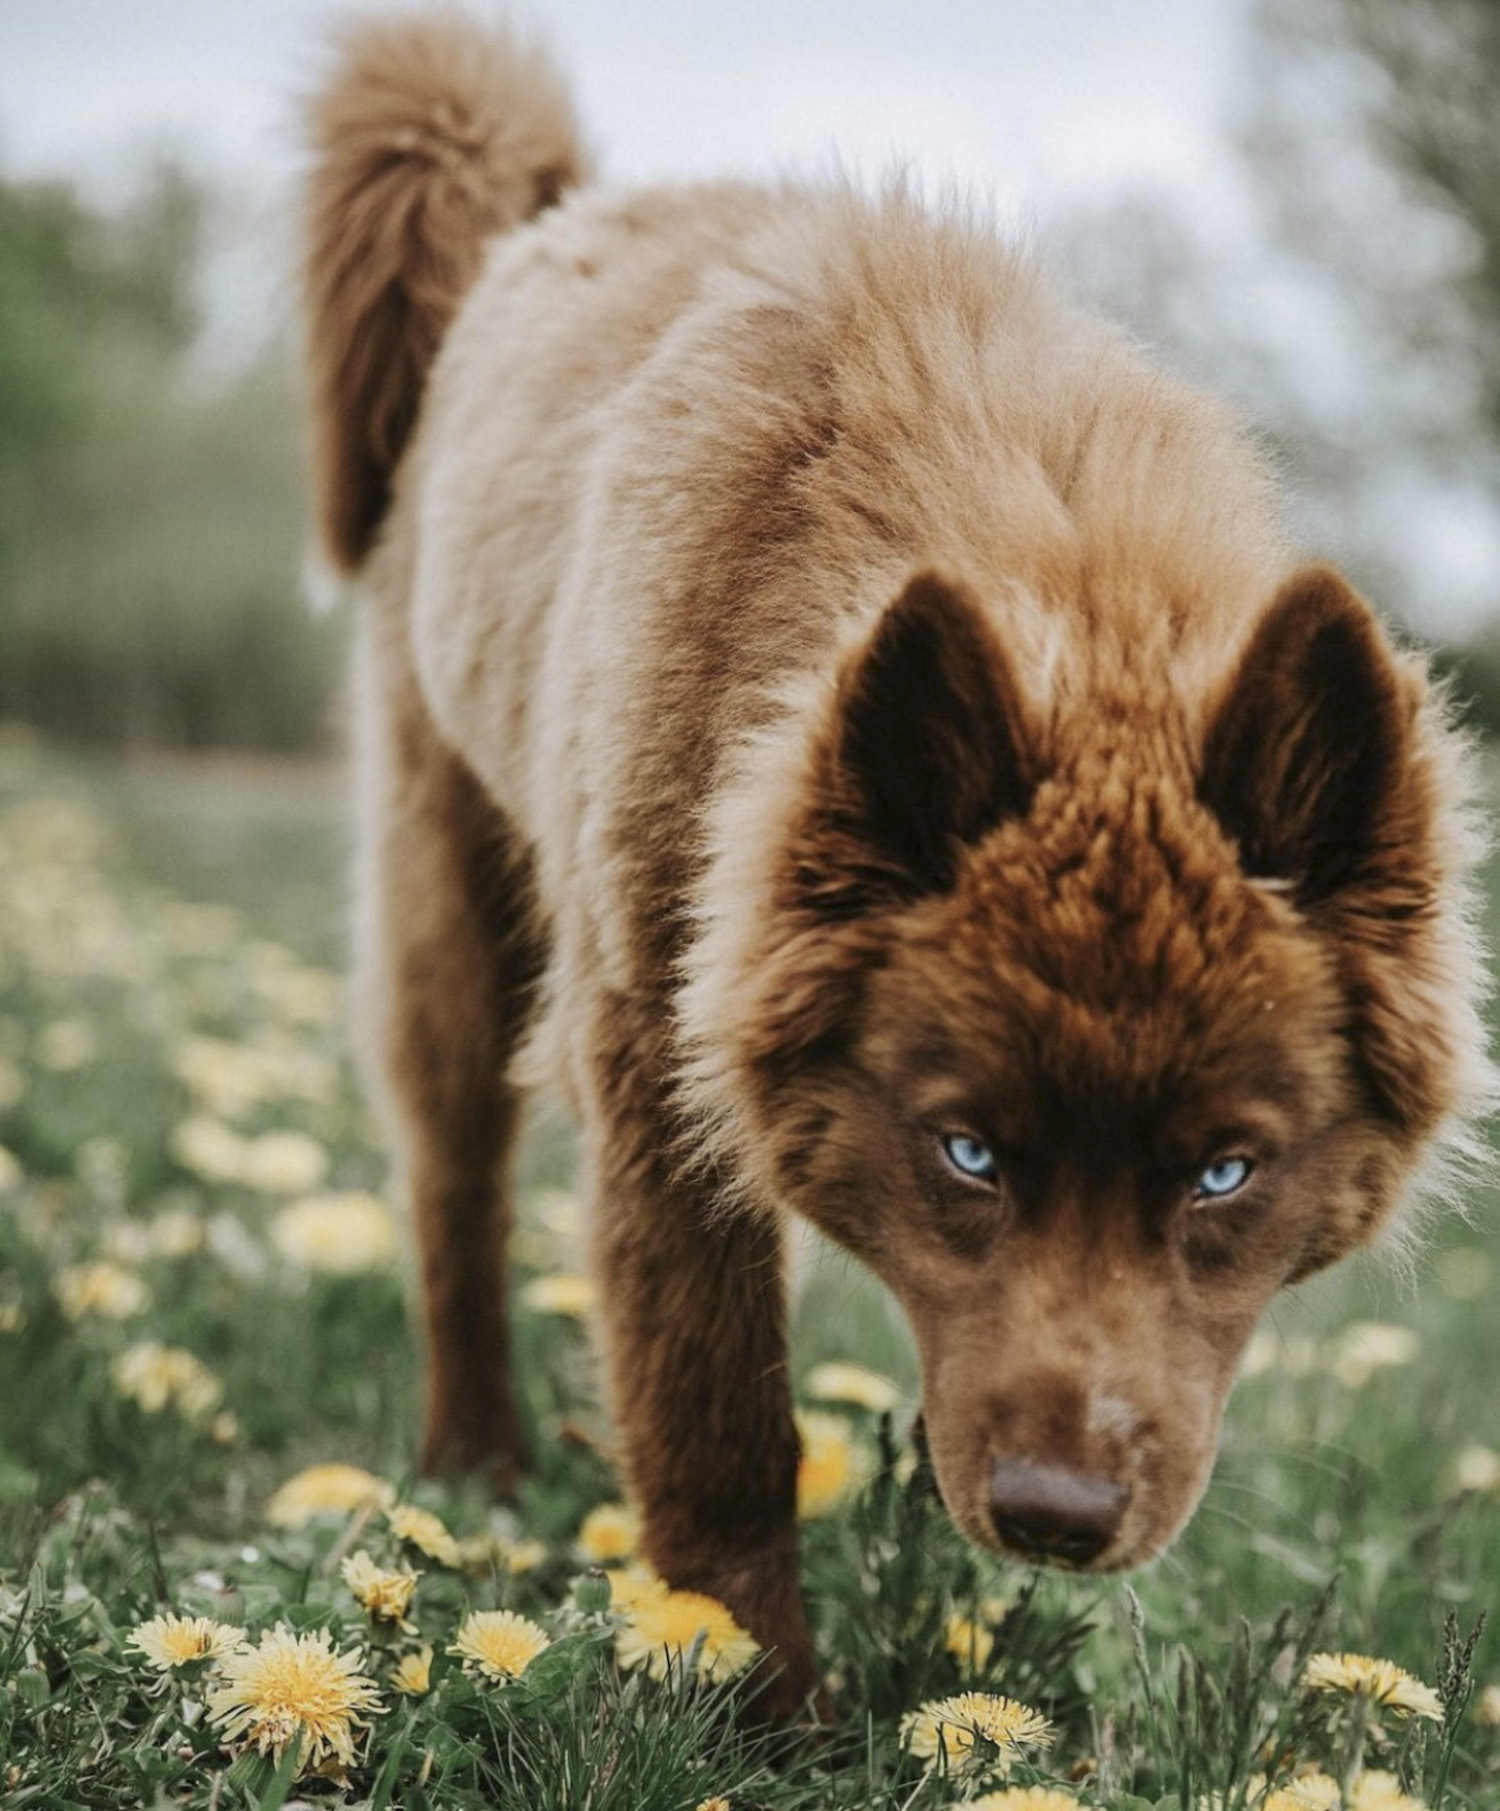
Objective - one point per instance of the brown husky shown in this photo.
(840, 713)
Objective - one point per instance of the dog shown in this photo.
(833, 708)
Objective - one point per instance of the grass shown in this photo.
(169, 1012)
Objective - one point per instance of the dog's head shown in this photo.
(1088, 1030)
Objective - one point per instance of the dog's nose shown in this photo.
(1048, 1513)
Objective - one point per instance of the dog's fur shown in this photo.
(821, 694)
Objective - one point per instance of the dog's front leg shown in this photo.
(694, 1317)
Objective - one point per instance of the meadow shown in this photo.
(221, 1584)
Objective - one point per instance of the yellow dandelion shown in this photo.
(521, 1557)
(224, 1429)
(413, 1673)
(209, 1148)
(342, 1233)
(839, 1382)
(1309, 1792)
(172, 1641)
(1370, 1346)
(561, 1292)
(1381, 1791)
(1381, 1681)
(970, 1643)
(1477, 1468)
(1023, 1798)
(294, 1688)
(425, 1532)
(158, 1377)
(1463, 1273)
(66, 1045)
(386, 1596)
(498, 1644)
(103, 1288)
(327, 1490)
(632, 1586)
(714, 1804)
(610, 1533)
(660, 1627)
(1488, 1709)
(10, 1170)
(176, 1232)
(283, 1163)
(975, 1727)
(832, 1465)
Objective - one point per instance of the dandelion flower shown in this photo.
(327, 1490)
(498, 1644)
(1381, 1681)
(978, 1727)
(385, 1595)
(1370, 1346)
(413, 1673)
(970, 1643)
(425, 1532)
(157, 1377)
(283, 1163)
(714, 1804)
(1023, 1798)
(172, 1641)
(610, 1532)
(633, 1586)
(832, 1463)
(1309, 1792)
(176, 1232)
(1381, 1791)
(209, 1148)
(294, 1687)
(103, 1288)
(661, 1626)
(1477, 1468)
(561, 1293)
(1489, 1707)
(837, 1382)
(1463, 1273)
(67, 1045)
(341, 1233)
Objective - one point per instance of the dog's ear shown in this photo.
(1306, 760)
(932, 750)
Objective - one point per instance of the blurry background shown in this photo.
(1297, 201)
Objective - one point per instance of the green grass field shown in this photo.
(204, 1292)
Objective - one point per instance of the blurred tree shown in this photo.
(1420, 80)
(1372, 128)
(1346, 289)
(150, 526)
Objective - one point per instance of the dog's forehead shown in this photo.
(1110, 942)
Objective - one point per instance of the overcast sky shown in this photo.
(1036, 104)
(1031, 98)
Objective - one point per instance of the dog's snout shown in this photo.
(1048, 1513)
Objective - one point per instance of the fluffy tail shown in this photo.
(432, 134)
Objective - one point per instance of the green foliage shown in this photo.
(150, 524)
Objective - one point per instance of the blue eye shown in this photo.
(1223, 1178)
(974, 1161)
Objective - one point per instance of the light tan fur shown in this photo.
(822, 693)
